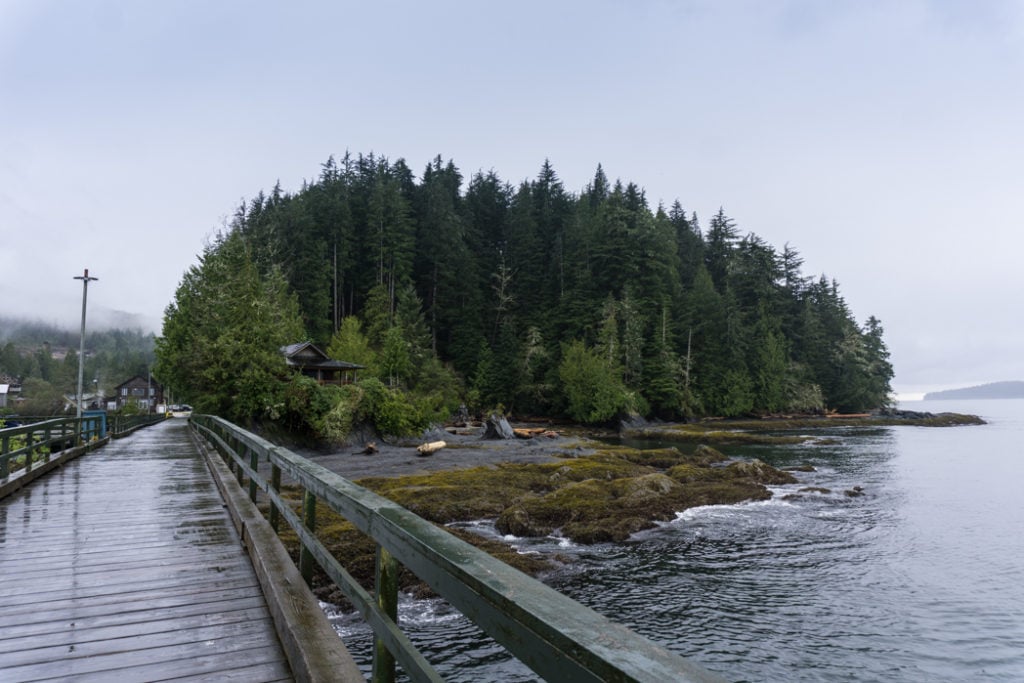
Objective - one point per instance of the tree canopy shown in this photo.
(532, 297)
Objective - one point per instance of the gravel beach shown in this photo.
(463, 451)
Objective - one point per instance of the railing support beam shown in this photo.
(309, 520)
(387, 600)
(275, 483)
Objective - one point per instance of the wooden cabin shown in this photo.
(311, 361)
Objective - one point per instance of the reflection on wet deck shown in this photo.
(123, 565)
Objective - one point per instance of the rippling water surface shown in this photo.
(921, 578)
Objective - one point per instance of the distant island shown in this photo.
(991, 390)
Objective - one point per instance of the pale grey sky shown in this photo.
(883, 140)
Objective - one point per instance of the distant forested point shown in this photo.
(991, 390)
(526, 297)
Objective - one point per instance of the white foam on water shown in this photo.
(562, 541)
(425, 612)
(730, 510)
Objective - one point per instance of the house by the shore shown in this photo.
(308, 359)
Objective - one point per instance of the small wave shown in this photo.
(412, 612)
(719, 511)
(426, 612)
(779, 491)
(562, 541)
(480, 526)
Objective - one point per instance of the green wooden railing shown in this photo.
(24, 446)
(554, 635)
(123, 425)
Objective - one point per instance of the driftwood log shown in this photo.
(530, 432)
(431, 447)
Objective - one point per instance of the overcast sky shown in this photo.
(883, 140)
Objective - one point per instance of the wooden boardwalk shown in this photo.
(124, 566)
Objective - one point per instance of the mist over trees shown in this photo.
(528, 297)
(44, 358)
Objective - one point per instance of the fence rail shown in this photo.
(554, 635)
(25, 446)
(123, 425)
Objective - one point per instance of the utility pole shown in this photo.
(81, 345)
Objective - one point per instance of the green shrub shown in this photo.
(340, 419)
(390, 411)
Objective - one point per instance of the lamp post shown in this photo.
(81, 345)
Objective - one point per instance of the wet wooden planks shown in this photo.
(123, 566)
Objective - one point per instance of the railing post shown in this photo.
(239, 474)
(309, 519)
(48, 440)
(30, 438)
(387, 600)
(275, 483)
(5, 447)
(254, 463)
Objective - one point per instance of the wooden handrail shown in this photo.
(28, 444)
(554, 635)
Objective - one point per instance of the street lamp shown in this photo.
(81, 345)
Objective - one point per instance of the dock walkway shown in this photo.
(124, 566)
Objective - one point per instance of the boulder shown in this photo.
(497, 427)
(516, 521)
(631, 422)
(760, 472)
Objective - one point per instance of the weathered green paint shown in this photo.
(275, 484)
(30, 450)
(552, 634)
(254, 464)
(41, 438)
(386, 582)
(384, 628)
(309, 521)
(123, 425)
(238, 462)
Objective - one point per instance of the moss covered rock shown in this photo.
(605, 496)
(760, 473)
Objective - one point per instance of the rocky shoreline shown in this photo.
(569, 484)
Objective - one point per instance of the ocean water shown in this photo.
(919, 578)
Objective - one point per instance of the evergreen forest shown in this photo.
(528, 298)
(44, 358)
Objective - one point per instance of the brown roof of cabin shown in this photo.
(309, 355)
